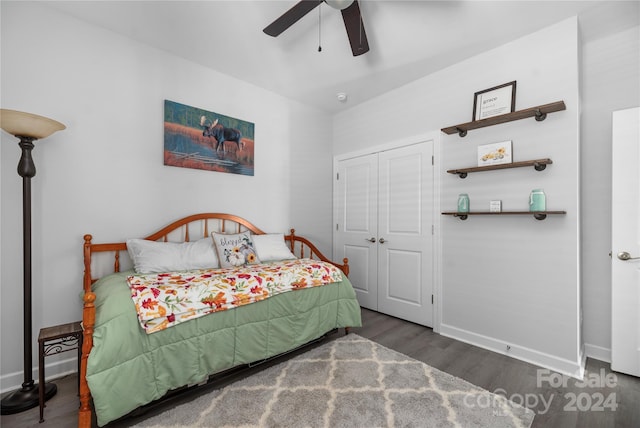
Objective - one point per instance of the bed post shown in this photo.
(345, 263)
(88, 321)
(292, 241)
(86, 253)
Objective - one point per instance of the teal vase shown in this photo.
(537, 200)
(463, 203)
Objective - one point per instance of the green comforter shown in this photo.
(128, 368)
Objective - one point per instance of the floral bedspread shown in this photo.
(166, 299)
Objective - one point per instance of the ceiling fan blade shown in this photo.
(291, 16)
(355, 29)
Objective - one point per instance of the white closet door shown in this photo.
(356, 223)
(384, 218)
(405, 240)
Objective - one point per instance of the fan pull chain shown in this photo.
(320, 27)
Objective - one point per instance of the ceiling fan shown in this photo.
(350, 14)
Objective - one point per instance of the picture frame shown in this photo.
(201, 139)
(495, 153)
(495, 206)
(494, 101)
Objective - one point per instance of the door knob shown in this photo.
(370, 239)
(381, 240)
(626, 256)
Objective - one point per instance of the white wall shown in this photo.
(311, 180)
(104, 174)
(610, 81)
(505, 280)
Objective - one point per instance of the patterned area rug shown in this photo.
(349, 382)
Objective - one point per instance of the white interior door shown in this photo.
(625, 269)
(356, 234)
(384, 217)
(405, 219)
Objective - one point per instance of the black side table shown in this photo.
(55, 340)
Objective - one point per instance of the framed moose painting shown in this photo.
(201, 139)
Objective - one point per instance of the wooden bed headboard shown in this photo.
(194, 227)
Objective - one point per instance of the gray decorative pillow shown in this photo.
(234, 249)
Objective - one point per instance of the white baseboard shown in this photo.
(597, 352)
(574, 369)
(55, 370)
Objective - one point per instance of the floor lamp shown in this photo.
(28, 128)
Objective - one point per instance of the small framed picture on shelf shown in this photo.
(495, 153)
(494, 101)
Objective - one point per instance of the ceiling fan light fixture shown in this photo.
(339, 4)
(350, 11)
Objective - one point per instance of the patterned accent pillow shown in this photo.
(234, 249)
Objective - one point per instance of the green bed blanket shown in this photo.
(128, 368)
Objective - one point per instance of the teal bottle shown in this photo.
(537, 200)
(463, 203)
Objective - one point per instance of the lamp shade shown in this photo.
(23, 124)
(339, 4)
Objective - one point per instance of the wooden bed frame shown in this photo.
(178, 231)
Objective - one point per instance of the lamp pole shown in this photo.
(20, 124)
(26, 170)
(28, 396)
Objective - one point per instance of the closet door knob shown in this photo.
(382, 240)
(370, 239)
(626, 256)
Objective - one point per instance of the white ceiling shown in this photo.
(408, 39)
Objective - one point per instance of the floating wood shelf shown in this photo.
(537, 164)
(539, 112)
(538, 215)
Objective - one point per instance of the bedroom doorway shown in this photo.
(383, 219)
(625, 243)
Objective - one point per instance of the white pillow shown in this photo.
(271, 247)
(153, 257)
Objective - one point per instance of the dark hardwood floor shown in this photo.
(604, 399)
